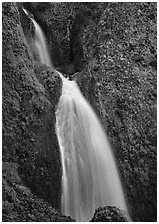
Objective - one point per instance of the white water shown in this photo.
(90, 178)
(40, 43)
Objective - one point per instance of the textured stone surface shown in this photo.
(120, 82)
(110, 214)
(30, 149)
(20, 205)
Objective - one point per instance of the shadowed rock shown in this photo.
(110, 214)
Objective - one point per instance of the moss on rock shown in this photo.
(110, 214)
(31, 154)
(124, 96)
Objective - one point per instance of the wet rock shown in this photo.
(31, 154)
(123, 94)
(19, 204)
(110, 214)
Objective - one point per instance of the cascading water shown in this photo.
(40, 42)
(41, 46)
(90, 178)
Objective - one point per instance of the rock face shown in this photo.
(20, 205)
(109, 214)
(112, 49)
(119, 80)
(31, 158)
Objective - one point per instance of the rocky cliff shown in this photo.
(31, 159)
(119, 80)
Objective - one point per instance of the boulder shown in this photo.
(110, 214)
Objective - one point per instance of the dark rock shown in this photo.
(20, 205)
(27, 24)
(31, 154)
(123, 94)
(51, 81)
(110, 214)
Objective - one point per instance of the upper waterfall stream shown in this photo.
(90, 177)
(40, 42)
(41, 45)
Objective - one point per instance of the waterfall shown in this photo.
(90, 177)
(41, 45)
(40, 42)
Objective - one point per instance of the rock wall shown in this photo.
(119, 80)
(31, 158)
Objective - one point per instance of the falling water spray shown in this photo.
(90, 177)
(40, 42)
